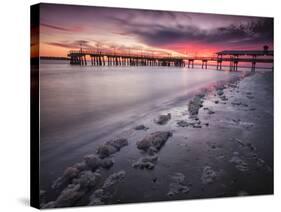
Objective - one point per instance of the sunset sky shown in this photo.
(65, 27)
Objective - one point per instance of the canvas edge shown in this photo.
(34, 107)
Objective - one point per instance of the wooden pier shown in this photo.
(111, 58)
(247, 56)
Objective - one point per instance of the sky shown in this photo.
(65, 27)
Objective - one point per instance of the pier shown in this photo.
(247, 56)
(111, 58)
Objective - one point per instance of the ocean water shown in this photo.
(81, 105)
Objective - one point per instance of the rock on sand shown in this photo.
(195, 104)
(155, 140)
(105, 193)
(163, 119)
(208, 175)
(111, 147)
(177, 185)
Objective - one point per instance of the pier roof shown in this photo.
(246, 52)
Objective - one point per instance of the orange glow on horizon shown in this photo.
(185, 49)
(52, 51)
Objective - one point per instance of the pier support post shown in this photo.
(190, 63)
(219, 65)
(254, 63)
(219, 62)
(85, 60)
(231, 65)
(204, 64)
(103, 60)
(235, 65)
(253, 66)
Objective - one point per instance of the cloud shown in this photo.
(258, 30)
(59, 28)
(72, 45)
(130, 22)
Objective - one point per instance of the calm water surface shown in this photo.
(80, 105)
(74, 96)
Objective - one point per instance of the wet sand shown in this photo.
(219, 143)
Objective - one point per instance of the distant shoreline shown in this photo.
(53, 58)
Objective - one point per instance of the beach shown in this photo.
(217, 141)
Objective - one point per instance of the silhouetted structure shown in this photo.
(111, 58)
(250, 56)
